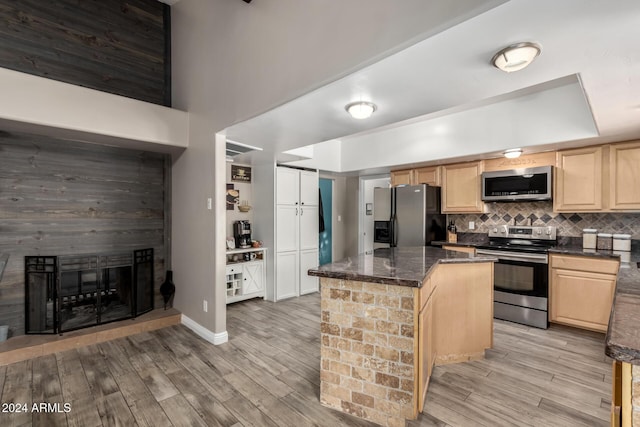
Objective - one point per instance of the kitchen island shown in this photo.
(389, 316)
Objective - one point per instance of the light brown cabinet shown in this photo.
(581, 291)
(465, 249)
(425, 343)
(403, 177)
(429, 175)
(579, 180)
(624, 169)
(461, 188)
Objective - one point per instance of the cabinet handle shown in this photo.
(296, 203)
(302, 203)
(296, 211)
(301, 211)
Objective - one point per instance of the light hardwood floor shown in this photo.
(268, 375)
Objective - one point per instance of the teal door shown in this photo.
(326, 196)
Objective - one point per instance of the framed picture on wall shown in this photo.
(240, 173)
(233, 197)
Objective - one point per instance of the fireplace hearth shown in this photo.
(65, 293)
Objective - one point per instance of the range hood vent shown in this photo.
(234, 148)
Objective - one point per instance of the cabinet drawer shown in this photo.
(585, 263)
(234, 269)
(465, 249)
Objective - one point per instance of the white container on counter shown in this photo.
(605, 241)
(622, 242)
(589, 237)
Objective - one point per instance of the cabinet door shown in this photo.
(625, 176)
(429, 176)
(425, 352)
(308, 259)
(309, 188)
(287, 228)
(308, 227)
(404, 177)
(252, 278)
(581, 299)
(287, 186)
(461, 191)
(286, 275)
(578, 183)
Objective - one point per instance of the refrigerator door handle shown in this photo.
(394, 227)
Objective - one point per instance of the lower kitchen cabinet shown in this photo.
(622, 394)
(245, 279)
(581, 291)
(427, 354)
(308, 260)
(286, 275)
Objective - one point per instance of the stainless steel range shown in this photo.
(521, 275)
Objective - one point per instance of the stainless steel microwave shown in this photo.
(517, 184)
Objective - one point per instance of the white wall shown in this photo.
(232, 60)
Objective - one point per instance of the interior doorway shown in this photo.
(367, 184)
(326, 219)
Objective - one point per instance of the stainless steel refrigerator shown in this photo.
(407, 216)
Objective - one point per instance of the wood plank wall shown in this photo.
(115, 46)
(60, 197)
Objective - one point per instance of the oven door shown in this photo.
(521, 277)
(520, 273)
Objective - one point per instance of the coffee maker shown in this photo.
(242, 234)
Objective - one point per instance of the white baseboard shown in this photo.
(212, 337)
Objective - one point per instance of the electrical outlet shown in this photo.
(472, 225)
(208, 207)
(204, 305)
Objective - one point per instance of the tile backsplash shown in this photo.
(541, 213)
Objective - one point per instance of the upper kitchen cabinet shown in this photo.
(624, 162)
(579, 178)
(461, 188)
(428, 175)
(404, 177)
(287, 186)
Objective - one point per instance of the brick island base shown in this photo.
(380, 341)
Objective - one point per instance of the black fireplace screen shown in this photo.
(71, 292)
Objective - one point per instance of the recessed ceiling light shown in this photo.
(513, 153)
(516, 57)
(361, 109)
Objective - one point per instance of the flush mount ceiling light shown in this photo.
(513, 153)
(361, 109)
(516, 57)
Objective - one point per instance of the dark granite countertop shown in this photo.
(394, 266)
(4, 258)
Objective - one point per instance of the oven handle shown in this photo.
(515, 256)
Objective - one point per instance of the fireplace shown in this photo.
(69, 292)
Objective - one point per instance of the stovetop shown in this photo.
(521, 239)
(519, 245)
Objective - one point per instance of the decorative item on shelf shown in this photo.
(167, 289)
(589, 238)
(244, 206)
(231, 243)
(256, 244)
(452, 237)
(604, 241)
